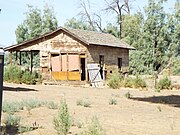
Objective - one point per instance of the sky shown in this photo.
(12, 13)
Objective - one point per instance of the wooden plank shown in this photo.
(74, 76)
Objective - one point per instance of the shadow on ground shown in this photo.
(172, 100)
(14, 130)
(18, 89)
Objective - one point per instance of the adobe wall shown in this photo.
(111, 55)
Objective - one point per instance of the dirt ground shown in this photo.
(147, 113)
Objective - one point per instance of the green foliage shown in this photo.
(11, 107)
(62, 120)
(114, 81)
(52, 105)
(112, 101)
(13, 73)
(128, 95)
(139, 82)
(128, 82)
(73, 23)
(164, 83)
(36, 24)
(79, 102)
(32, 103)
(28, 78)
(176, 66)
(93, 128)
(136, 82)
(11, 120)
(85, 102)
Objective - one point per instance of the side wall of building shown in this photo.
(111, 55)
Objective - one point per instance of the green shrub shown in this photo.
(134, 82)
(62, 120)
(93, 128)
(79, 102)
(11, 120)
(32, 103)
(11, 107)
(12, 73)
(164, 83)
(87, 103)
(139, 82)
(127, 95)
(128, 82)
(28, 78)
(114, 81)
(112, 101)
(52, 105)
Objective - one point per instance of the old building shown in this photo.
(65, 53)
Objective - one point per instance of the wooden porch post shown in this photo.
(67, 62)
(16, 57)
(10, 57)
(31, 60)
(20, 58)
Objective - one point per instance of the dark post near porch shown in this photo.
(1, 80)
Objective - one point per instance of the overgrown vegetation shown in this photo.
(164, 83)
(116, 81)
(11, 120)
(83, 102)
(13, 73)
(112, 101)
(62, 120)
(93, 128)
(128, 95)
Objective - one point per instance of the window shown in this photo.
(119, 63)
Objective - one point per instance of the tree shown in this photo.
(49, 21)
(76, 24)
(36, 24)
(118, 7)
(93, 19)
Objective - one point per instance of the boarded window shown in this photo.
(56, 65)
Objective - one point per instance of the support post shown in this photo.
(20, 58)
(10, 57)
(31, 61)
(16, 57)
(1, 80)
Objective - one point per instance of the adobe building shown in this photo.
(65, 53)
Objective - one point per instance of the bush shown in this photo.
(164, 83)
(139, 82)
(11, 120)
(127, 95)
(134, 82)
(11, 107)
(94, 128)
(32, 103)
(112, 101)
(12, 73)
(128, 82)
(52, 105)
(79, 102)
(114, 81)
(28, 78)
(62, 120)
